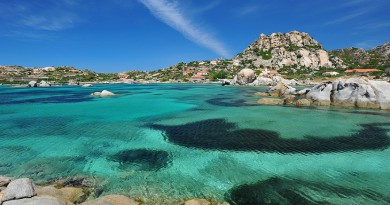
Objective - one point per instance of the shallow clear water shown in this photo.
(186, 141)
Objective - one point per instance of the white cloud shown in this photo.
(170, 13)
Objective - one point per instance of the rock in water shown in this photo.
(38, 200)
(245, 76)
(197, 202)
(281, 89)
(32, 84)
(382, 90)
(104, 93)
(87, 85)
(353, 92)
(44, 84)
(18, 189)
(320, 94)
(270, 101)
(111, 200)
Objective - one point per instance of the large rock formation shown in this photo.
(352, 92)
(294, 50)
(111, 200)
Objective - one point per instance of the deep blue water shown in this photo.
(186, 141)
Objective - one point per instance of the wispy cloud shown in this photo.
(346, 18)
(173, 15)
(51, 16)
(374, 26)
(247, 10)
(42, 22)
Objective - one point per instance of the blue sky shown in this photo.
(121, 35)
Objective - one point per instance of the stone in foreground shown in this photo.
(18, 189)
(111, 200)
(4, 181)
(38, 200)
(71, 194)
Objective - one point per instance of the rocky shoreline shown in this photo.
(342, 92)
(83, 191)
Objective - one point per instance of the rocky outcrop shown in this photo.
(294, 49)
(111, 200)
(104, 93)
(352, 92)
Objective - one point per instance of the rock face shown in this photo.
(111, 200)
(18, 189)
(104, 93)
(294, 49)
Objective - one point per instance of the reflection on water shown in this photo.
(204, 141)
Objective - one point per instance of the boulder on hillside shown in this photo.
(245, 76)
(18, 189)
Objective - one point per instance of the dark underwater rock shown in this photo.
(219, 134)
(144, 159)
(291, 192)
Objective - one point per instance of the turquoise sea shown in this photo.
(178, 141)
